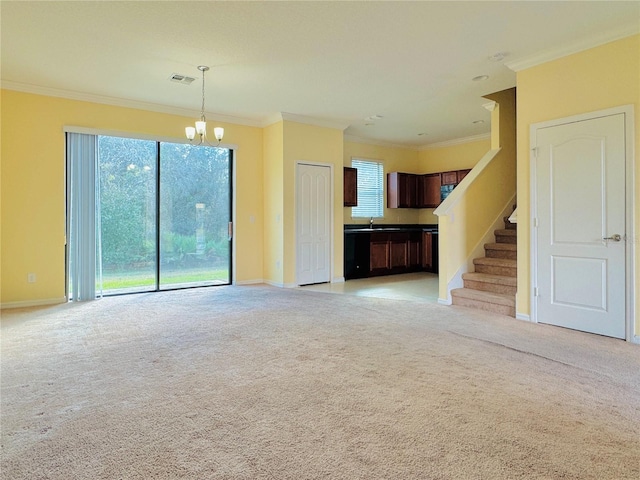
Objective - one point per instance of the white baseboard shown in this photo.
(635, 339)
(249, 282)
(523, 316)
(444, 301)
(338, 280)
(34, 303)
(280, 284)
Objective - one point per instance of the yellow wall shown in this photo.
(393, 160)
(314, 144)
(454, 157)
(273, 204)
(33, 186)
(467, 214)
(596, 79)
(445, 159)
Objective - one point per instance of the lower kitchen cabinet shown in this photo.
(430, 252)
(395, 252)
(399, 251)
(414, 245)
(369, 254)
(379, 253)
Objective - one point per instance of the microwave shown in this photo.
(445, 190)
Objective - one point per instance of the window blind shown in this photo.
(83, 218)
(370, 189)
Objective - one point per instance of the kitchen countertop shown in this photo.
(381, 228)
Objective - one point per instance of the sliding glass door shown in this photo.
(163, 212)
(195, 210)
(126, 199)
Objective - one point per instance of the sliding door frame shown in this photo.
(158, 140)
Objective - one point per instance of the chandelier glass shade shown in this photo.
(201, 125)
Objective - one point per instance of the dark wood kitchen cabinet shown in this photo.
(350, 187)
(399, 251)
(449, 178)
(461, 174)
(402, 190)
(374, 253)
(429, 190)
(409, 190)
(429, 247)
(414, 246)
(395, 252)
(379, 253)
(427, 251)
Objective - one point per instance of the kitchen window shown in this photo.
(370, 189)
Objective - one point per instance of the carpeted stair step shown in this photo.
(490, 283)
(506, 235)
(488, 301)
(501, 250)
(496, 266)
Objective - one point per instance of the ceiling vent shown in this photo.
(176, 77)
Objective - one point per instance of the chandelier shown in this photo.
(201, 126)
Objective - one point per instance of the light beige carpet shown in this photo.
(265, 383)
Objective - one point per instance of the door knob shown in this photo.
(615, 237)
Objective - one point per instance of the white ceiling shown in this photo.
(335, 62)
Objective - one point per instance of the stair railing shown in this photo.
(468, 217)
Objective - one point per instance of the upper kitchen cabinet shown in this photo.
(350, 187)
(429, 190)
(461, 174)
(402, 190)
(449, 178)
(408, 190)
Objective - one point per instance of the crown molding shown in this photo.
(122, 102)
(457, 141)
(569, 49)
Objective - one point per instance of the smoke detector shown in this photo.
(498, 57)
(178, 78)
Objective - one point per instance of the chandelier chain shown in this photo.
(204, 69)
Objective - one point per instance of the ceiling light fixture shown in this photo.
(201, 125)
(480, 78)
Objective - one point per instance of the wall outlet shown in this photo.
(31, 277)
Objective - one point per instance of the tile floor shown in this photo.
(417, 287)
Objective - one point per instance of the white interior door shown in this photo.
(313, 225)
(580, 211)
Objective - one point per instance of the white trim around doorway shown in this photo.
(630, 201)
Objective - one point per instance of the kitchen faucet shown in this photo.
(371, 223)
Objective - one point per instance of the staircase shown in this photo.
(492, 287)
